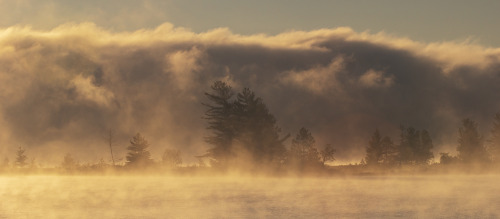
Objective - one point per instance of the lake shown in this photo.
(247, 197)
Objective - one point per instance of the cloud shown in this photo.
(372, 78)
(61, 88)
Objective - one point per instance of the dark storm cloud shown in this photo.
(61, 89)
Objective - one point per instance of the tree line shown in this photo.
(245, 135)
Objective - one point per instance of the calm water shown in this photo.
(188, 197)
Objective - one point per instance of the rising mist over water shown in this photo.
(449, 196)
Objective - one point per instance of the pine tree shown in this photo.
(243, 130)
(171, 158)
(470, 143)
(138, 154)
(380, 150)
(374, 149)
(220, 118)
(256, 128)
(327, 154)
(415, 146)
(303, 151)
(21, 158)
(423, 152)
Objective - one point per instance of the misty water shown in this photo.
(248, 197)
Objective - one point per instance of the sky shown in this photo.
(69, 70)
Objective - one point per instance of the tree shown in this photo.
(495, 138)
(327, 154)
(219, 115)
(21, 158)
(422, 152)
(69, 163)
(138, 155)
(380, 150)
(303, 151)
(256, 129)
(415, 146)
(470, 143)
(171, 158)
(243, 130)
(374, 149)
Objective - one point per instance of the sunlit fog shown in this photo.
(184, 109)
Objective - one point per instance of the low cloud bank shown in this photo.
(61, 89)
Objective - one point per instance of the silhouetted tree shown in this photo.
(415, 146)
(21, 158)
(220, 118)
(380, 150)
(422, 152)
(374, 149)
(256, 129)
(242, 128)
(327, 154)
(495, 138)
(470, 143)
(303, 151)
(171, 158)
(69, 163)
(138, 154)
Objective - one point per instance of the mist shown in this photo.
(61, 89)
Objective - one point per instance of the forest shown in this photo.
(244, 137)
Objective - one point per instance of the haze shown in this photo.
(282, 109)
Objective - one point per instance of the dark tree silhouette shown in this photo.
(495, 138)
(256, 129)
(374, 149)
(303, 151)
(415, 146)
(220, 118)
(171, 158)
(380, 150)
(327, 154)
(138, 154)
(470, 143)
(422, 152)
(242, 129)
(21, 158)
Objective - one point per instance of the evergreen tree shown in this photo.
(21, 158)
(423, 152)
(138, 154)
(303, 151)
(327, 154)
(495, 138)
(243, 130)
(374, 149)
(256, 128)
(171, 158)
(470, 143)
(389, 151)
(220, 118)
(380, 150)
(415, 146)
